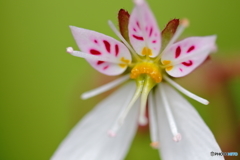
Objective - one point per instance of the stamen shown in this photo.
(171, 120)
(186, 92)
(105, 87)
(123, 40)
(91, 57)
(142, 117)
(183, 24)
(177, 137)
(154, 145)
(120, 120)
(149, 83)
(153, 121)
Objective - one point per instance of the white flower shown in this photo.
(176, 128)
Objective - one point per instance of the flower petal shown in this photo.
(101, 45)
(184, 56)
(89, 139)
(197, 139)
(143, 30)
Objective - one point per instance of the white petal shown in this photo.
(143, 30)
(197, 139)
(89, 139)
(102, 46)
(186, 55)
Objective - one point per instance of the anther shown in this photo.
(177, 137)
(111, 133)
(154, 145)
(184, 22)
(69, 50)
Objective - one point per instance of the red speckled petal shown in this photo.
(101, 45)
(184, 56)
(143, 29)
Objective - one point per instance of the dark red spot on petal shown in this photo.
(180, 69)
(190, 49)
(189, 63)
(106, 67)
(100, 62)
(177, 52)
(107, 45)
(95, 41)
(134, 29)
(137, 37)
(116, 50)
(150, 32)
(154, 41)
(95, 52)
(138, 24)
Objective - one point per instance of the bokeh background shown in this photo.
(41, 84)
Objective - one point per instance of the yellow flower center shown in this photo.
(148, 68)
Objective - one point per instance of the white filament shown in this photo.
(171, 120)
(105, 87)
(153, 121)
(186, 92)
(111, 25)
(91, 57)
(178, 32)
(120, 120)
(142, 116)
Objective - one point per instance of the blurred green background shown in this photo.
(41, 84)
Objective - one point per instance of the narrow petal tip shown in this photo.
(177, 137)
(154, 145)
(214, 47)
(138, 2)
(69, 50)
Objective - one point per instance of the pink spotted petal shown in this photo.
(143, 29)
(186, 55)
(101, 45)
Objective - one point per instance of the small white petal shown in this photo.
(89, 139)
(197, 140)
(106, 48)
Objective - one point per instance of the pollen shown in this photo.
(125, 62)
(146, 51)
(148, 68)
(168, 65)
